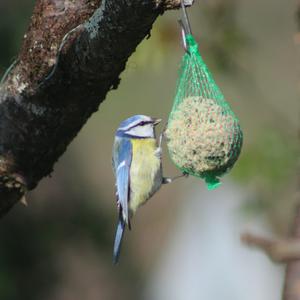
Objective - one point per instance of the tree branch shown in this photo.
(291, 289)
(283, 251)
(72, 55)
(279, 250)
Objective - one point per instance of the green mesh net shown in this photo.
(203, 135)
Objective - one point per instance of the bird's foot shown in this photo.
(167, 180)
(158, 152)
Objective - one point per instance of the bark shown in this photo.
(71, 57)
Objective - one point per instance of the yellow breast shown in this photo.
(145, 172)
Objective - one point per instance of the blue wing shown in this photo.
(122, 156)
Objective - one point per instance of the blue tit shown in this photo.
(137, 168)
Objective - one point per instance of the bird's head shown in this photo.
(138, 126)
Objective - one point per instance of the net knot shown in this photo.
(191, 44)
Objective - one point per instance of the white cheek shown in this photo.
(142, 131)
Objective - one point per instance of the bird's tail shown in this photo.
(118, 240)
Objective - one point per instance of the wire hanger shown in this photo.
(185, 25)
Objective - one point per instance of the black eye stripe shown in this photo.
(144, 123)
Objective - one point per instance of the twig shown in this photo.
(279, 250)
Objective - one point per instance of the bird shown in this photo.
(138, 169)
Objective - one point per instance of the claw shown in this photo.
(167, 180)
(158, 152)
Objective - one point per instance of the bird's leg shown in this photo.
(160, 140)
(167, 180)
(158, 151)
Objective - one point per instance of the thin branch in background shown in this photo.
(278, 250)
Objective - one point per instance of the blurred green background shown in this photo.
(185, 241)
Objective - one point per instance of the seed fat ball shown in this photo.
(204, 138)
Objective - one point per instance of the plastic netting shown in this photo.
(204, 135)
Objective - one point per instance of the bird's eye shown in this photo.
(142, 123)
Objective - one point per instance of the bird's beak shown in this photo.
(156, 121)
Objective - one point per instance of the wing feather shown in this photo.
(121, 162)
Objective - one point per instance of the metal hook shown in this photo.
(185, 20)
(183, 35)
(185, 26)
